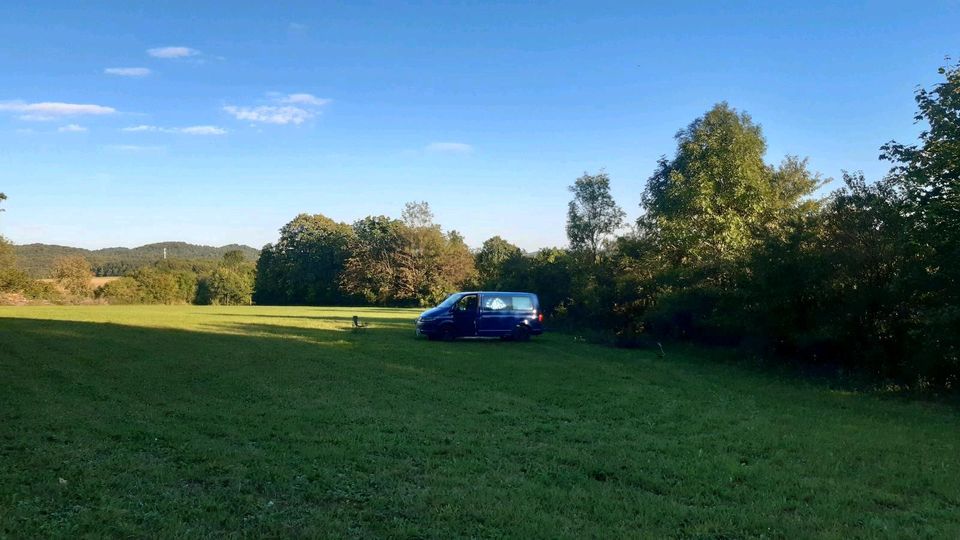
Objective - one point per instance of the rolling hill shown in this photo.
(37, 259)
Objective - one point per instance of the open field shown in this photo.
(161, 421)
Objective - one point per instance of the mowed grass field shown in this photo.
(206, 421)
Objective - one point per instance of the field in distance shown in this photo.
(95, 282)
(208, 421)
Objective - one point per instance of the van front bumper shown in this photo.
(424, 328)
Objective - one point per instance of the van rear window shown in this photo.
(522, 303)
(507, 302)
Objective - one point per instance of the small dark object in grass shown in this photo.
(357, 323)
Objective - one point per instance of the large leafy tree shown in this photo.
(305, 265)
(230, 286)
(716, 198)
(928, 173)
(592, 216)
(381, 268)
(73, 274)
(494, 260)
(703, 204)
(442, 263)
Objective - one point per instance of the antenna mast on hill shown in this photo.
(164, 253)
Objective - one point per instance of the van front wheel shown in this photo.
(446, 333)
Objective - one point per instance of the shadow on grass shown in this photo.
(386, 321)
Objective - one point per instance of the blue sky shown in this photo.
(124, 123)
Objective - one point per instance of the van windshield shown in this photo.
(450, 301)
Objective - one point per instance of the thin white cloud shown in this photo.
(291, 109)
(269, 114)
(303, 99)
(127, 71)
(71, 128)
(297, 27)
(449, 147)
(203, 130)
(190, 130)
(51, 110)
(172, 52)
(134, 148)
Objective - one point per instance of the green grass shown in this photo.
(200, 421)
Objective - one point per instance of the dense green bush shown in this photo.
(230, 287)
(73, 274)
(16, 281)
(125, 290)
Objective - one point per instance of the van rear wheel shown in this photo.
(521, 333)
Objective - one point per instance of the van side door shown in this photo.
(496, 315)
(465, 313)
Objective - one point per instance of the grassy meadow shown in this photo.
(210, 421)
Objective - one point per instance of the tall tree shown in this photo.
(930, 171)
(442, 263)
(234, 258)
(381, 268)
(494, 256)
(592, 216)
(929, 175)
(417, 214)
(713, 200)
(73, 274)
(306, 262)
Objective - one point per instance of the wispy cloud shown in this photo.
(190, 130)
(203, 130)
(172, 52)
(291, 109)
(134, 148)
(449, 147)
(269, 114)
(71, 128)
(303, 99)
(296, 27)
(51, 110)
(127, 71)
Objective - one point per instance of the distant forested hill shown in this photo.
(37, 259)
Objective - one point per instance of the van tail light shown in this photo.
(540, 317)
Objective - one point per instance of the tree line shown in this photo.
(38, 260)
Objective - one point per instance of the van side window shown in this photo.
(467, 303)
(496, 303)
(522, 303)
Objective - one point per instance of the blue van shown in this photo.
(483, 314)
